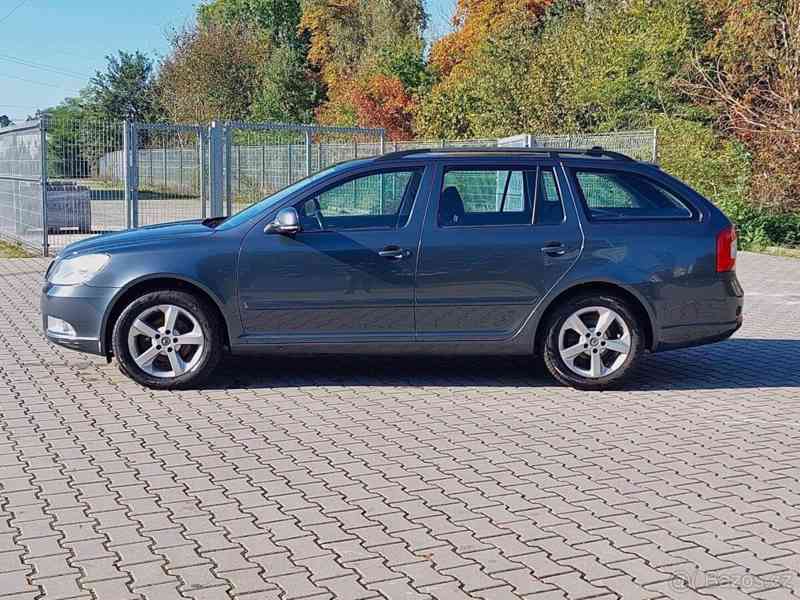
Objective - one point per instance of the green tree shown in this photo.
(288, 90)
(244, 59)
(531, 78)
(4, 121)
(279, 19)
(70, 151)
(125, 89)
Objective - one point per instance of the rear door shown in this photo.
(497, 237)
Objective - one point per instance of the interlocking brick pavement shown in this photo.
(321, 478)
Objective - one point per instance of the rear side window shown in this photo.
(549, 209)
(484, 197)
(619, 195)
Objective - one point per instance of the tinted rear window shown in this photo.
(614, 195)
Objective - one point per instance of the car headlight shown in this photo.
(74, 271)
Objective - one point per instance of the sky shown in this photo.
(50, 48)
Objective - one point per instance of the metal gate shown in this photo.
(23, 179)
(166, 173)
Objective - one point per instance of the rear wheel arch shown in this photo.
(601, 288)
(155, 284)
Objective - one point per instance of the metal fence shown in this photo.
(62, 180)
(641, 145)
(22, 183)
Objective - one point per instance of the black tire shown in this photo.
(556, 364)
(208, 321)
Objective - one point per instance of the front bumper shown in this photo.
(82, 306)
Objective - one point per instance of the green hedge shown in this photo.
(719, 169)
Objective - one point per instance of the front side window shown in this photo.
(612, 195)
(484, 197)
(379, 200)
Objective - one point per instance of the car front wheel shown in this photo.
(168, 340)
(593, 342)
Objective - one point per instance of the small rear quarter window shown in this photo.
(615, 195)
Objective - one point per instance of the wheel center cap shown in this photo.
(594, 342)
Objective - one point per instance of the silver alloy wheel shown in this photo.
(166, 341)
(594, 342)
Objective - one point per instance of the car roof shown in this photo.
(497, 152)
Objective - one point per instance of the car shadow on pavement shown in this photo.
(736, 363)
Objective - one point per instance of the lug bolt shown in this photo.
(158, 347)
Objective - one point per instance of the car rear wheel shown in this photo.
(168, 340)
(593, 342)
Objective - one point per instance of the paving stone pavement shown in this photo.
(406, 478)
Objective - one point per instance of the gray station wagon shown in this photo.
(586, 259)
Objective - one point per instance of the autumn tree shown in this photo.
(370, 54)
(212, 72)
(474, 22)
(750, 72)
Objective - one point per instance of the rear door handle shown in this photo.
(554, 249)
(394, 252)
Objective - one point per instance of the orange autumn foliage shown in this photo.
(474, 21)
(378, 101)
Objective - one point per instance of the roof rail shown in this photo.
(595, 151)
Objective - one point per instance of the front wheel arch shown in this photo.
(599, 288)
(157, 284)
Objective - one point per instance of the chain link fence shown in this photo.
(62, 180)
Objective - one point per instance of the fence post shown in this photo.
(132, 176)
(655, 146)
(202, 178)
(308, 153)
(383, 141)
(126, 170)
(263, 171)
(43, 183)
(289, 163)
(228, 137)
(238, 171)
(216, 156)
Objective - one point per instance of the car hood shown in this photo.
(134, 237)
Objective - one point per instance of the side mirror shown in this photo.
(287, 222)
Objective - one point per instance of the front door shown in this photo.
(498, 238)
(348, 275)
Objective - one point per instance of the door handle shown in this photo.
(394, 252)
(554, 249)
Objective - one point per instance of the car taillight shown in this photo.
(726, 250)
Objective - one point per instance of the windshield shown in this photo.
(256, 209)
